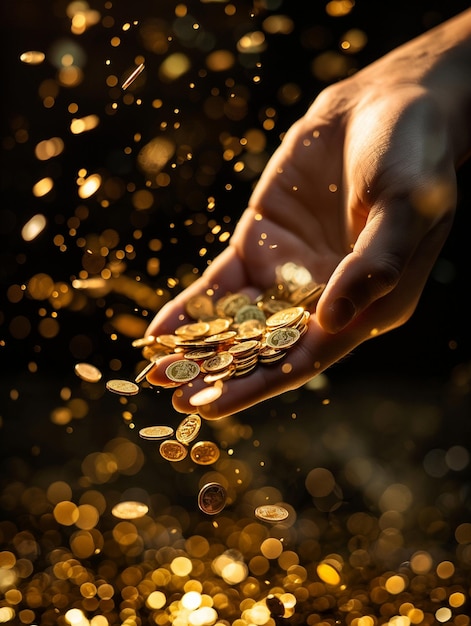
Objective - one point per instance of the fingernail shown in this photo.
(342, 312)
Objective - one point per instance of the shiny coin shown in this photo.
(172, 450)
(87, 372)
(200, 307)
(244, 347)
(212, 498)
(282, 338)
(249, 312)
(144, 371)
(143, 341)
(220, 337)
(156, 432)
(210, 379)
(307, 294)
(220, 361)
(182, 371)
(206, 396)
(130, 509)
(188, 428)
(227, 306)
(219, 325)
(192, 331)
(271, 513)
(198, 355)
(122, 387)
(285, 317)
(132, 77)
(204, 453)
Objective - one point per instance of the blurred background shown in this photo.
(114, 200)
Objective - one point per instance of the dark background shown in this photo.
(399, 399)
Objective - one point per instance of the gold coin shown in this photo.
(156, 432)
(282, 338)
(204, 453)
(193, 330)
(220, 337)
(188, 428)
(199, 307)
(182, 371)
(172, 450)
(132, 77)
(285, 317)
(219, 325)
(88, 372)
(144, 371)
(202, 353)
(130, 509)
(307, 294)
(148, 340)
(249, 312)
(209, 379)
(219, 362)
(242, 348)
(212, 498)
(271, 513)
(123, 387)
(228, 305)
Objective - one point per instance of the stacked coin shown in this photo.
(233, 335)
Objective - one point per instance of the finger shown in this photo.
(380, 257)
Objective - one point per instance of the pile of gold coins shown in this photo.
(232, 336)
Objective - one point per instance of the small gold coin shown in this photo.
(244, 347)
(129, 509)
(182, 371)
(144, 371)
(172, 450)
(202, 353)
(205, 453)
(88, 372)
(200, 307)
(194, 330)
(212, 498)
(156, 432)
(285, 317)
(122, 387)
(220, 337)
(188, 428)
(149, 340)
(271, 513)
(132, 77)
(218, 362)
(282, 338)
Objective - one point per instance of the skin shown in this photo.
(362, 192)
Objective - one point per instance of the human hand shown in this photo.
(362, 193)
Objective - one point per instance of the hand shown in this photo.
(361, 192)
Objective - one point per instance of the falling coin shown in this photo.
(132, 77)
(205, 453)
(155, 432)
(87, 372)
(212, 498)
(130, 509)
(143, 373)
(172, 450)
(271, 513)
(123, 387)
(182, 371)
(188, 428)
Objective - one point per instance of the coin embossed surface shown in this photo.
(271, 513)
(204, 453)
(122, 387)
(129, 509)
(182, 371)
(188, 428)
(173, 450)
(212, 498)
(155, 432)
(88, 372)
